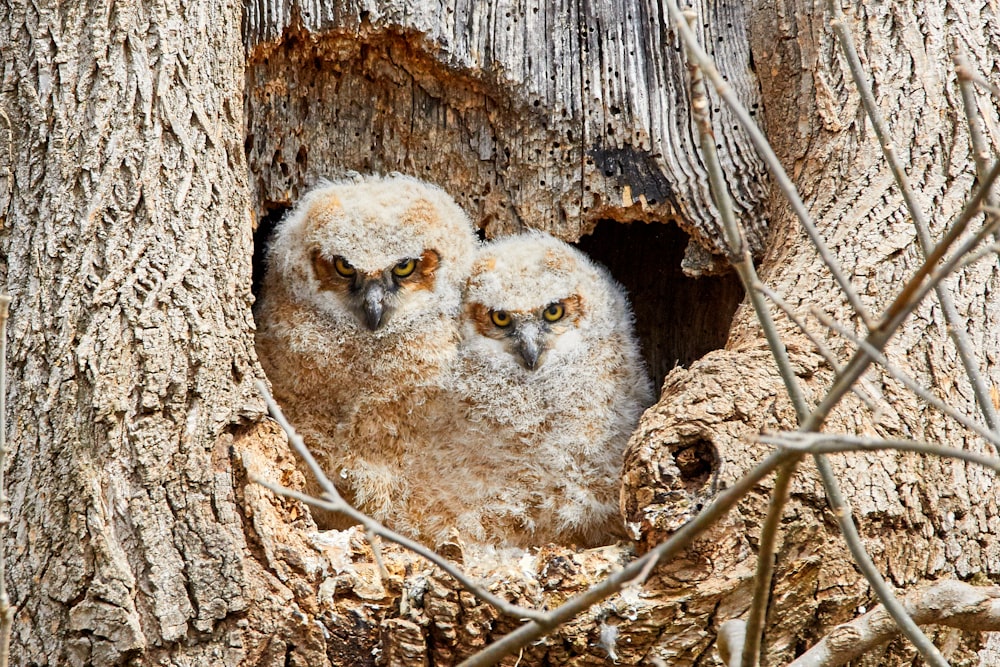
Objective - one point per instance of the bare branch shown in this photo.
(952, 603)
(336, 503)
(739, 253)
(295, 440)
(980, 80)
(842, 512)
(959, 259)
(739, 257)
(732, 635)
(911, 384)
(824, 351)
(971, 258)
(725, 91)
(373, 540)
(663, 552)
(753, 631)
(824, 443)
(970, 104)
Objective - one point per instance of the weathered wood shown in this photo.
(126, 251)
(921, 517)
(550, 115)
(138, 535)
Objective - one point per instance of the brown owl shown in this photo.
(552, 385)
(357, 331)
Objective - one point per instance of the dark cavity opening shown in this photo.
(677, 318)
(261, 241)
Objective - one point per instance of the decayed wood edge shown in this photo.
(346, 606)
(652, 103)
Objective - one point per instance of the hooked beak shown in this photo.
(373, 298)
(530, 346)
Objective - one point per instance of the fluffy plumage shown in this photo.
(357, 331)
(554, 384)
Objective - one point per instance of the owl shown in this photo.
(553, 385)
(357, 327)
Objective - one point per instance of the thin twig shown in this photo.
(739, 253)
(663, 552)
(842, 512)
(824, 351)
(299, 445)
(377, 553)
(980, 80)
(971, 258)
(335, 503)
(6, 609)
(955, 262)
(739, 257)
(911, 384)
(970, 104)
(827, 443)
(753, 632)
(377, 529)
(784, 183)
(731, 640)
(957, 332)
(641, 578)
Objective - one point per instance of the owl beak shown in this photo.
(530, 346)
(373, 299)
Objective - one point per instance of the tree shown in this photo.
(137, 533)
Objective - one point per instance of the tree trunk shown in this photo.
(127, 250)
(923, 518)
(137, 535)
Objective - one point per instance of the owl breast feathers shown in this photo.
(553, 381)
(357, 330)
(502, 414)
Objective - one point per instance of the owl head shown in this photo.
(374, 253)
(533, 300)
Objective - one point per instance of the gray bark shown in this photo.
(922, 517)
(126, 250)
(137, 535)
(549, 115)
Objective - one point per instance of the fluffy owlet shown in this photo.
(357, 326)
(554, 385)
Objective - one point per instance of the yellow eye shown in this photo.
(554, 312)
(404, 268)
(501, 318)
(344, 267)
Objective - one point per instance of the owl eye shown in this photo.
(501, 318)
(404, 268)
(554, 312)
(343, 267)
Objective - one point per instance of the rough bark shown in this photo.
(126, 250)
(546, 115)
(922, 517)
(138, 535)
